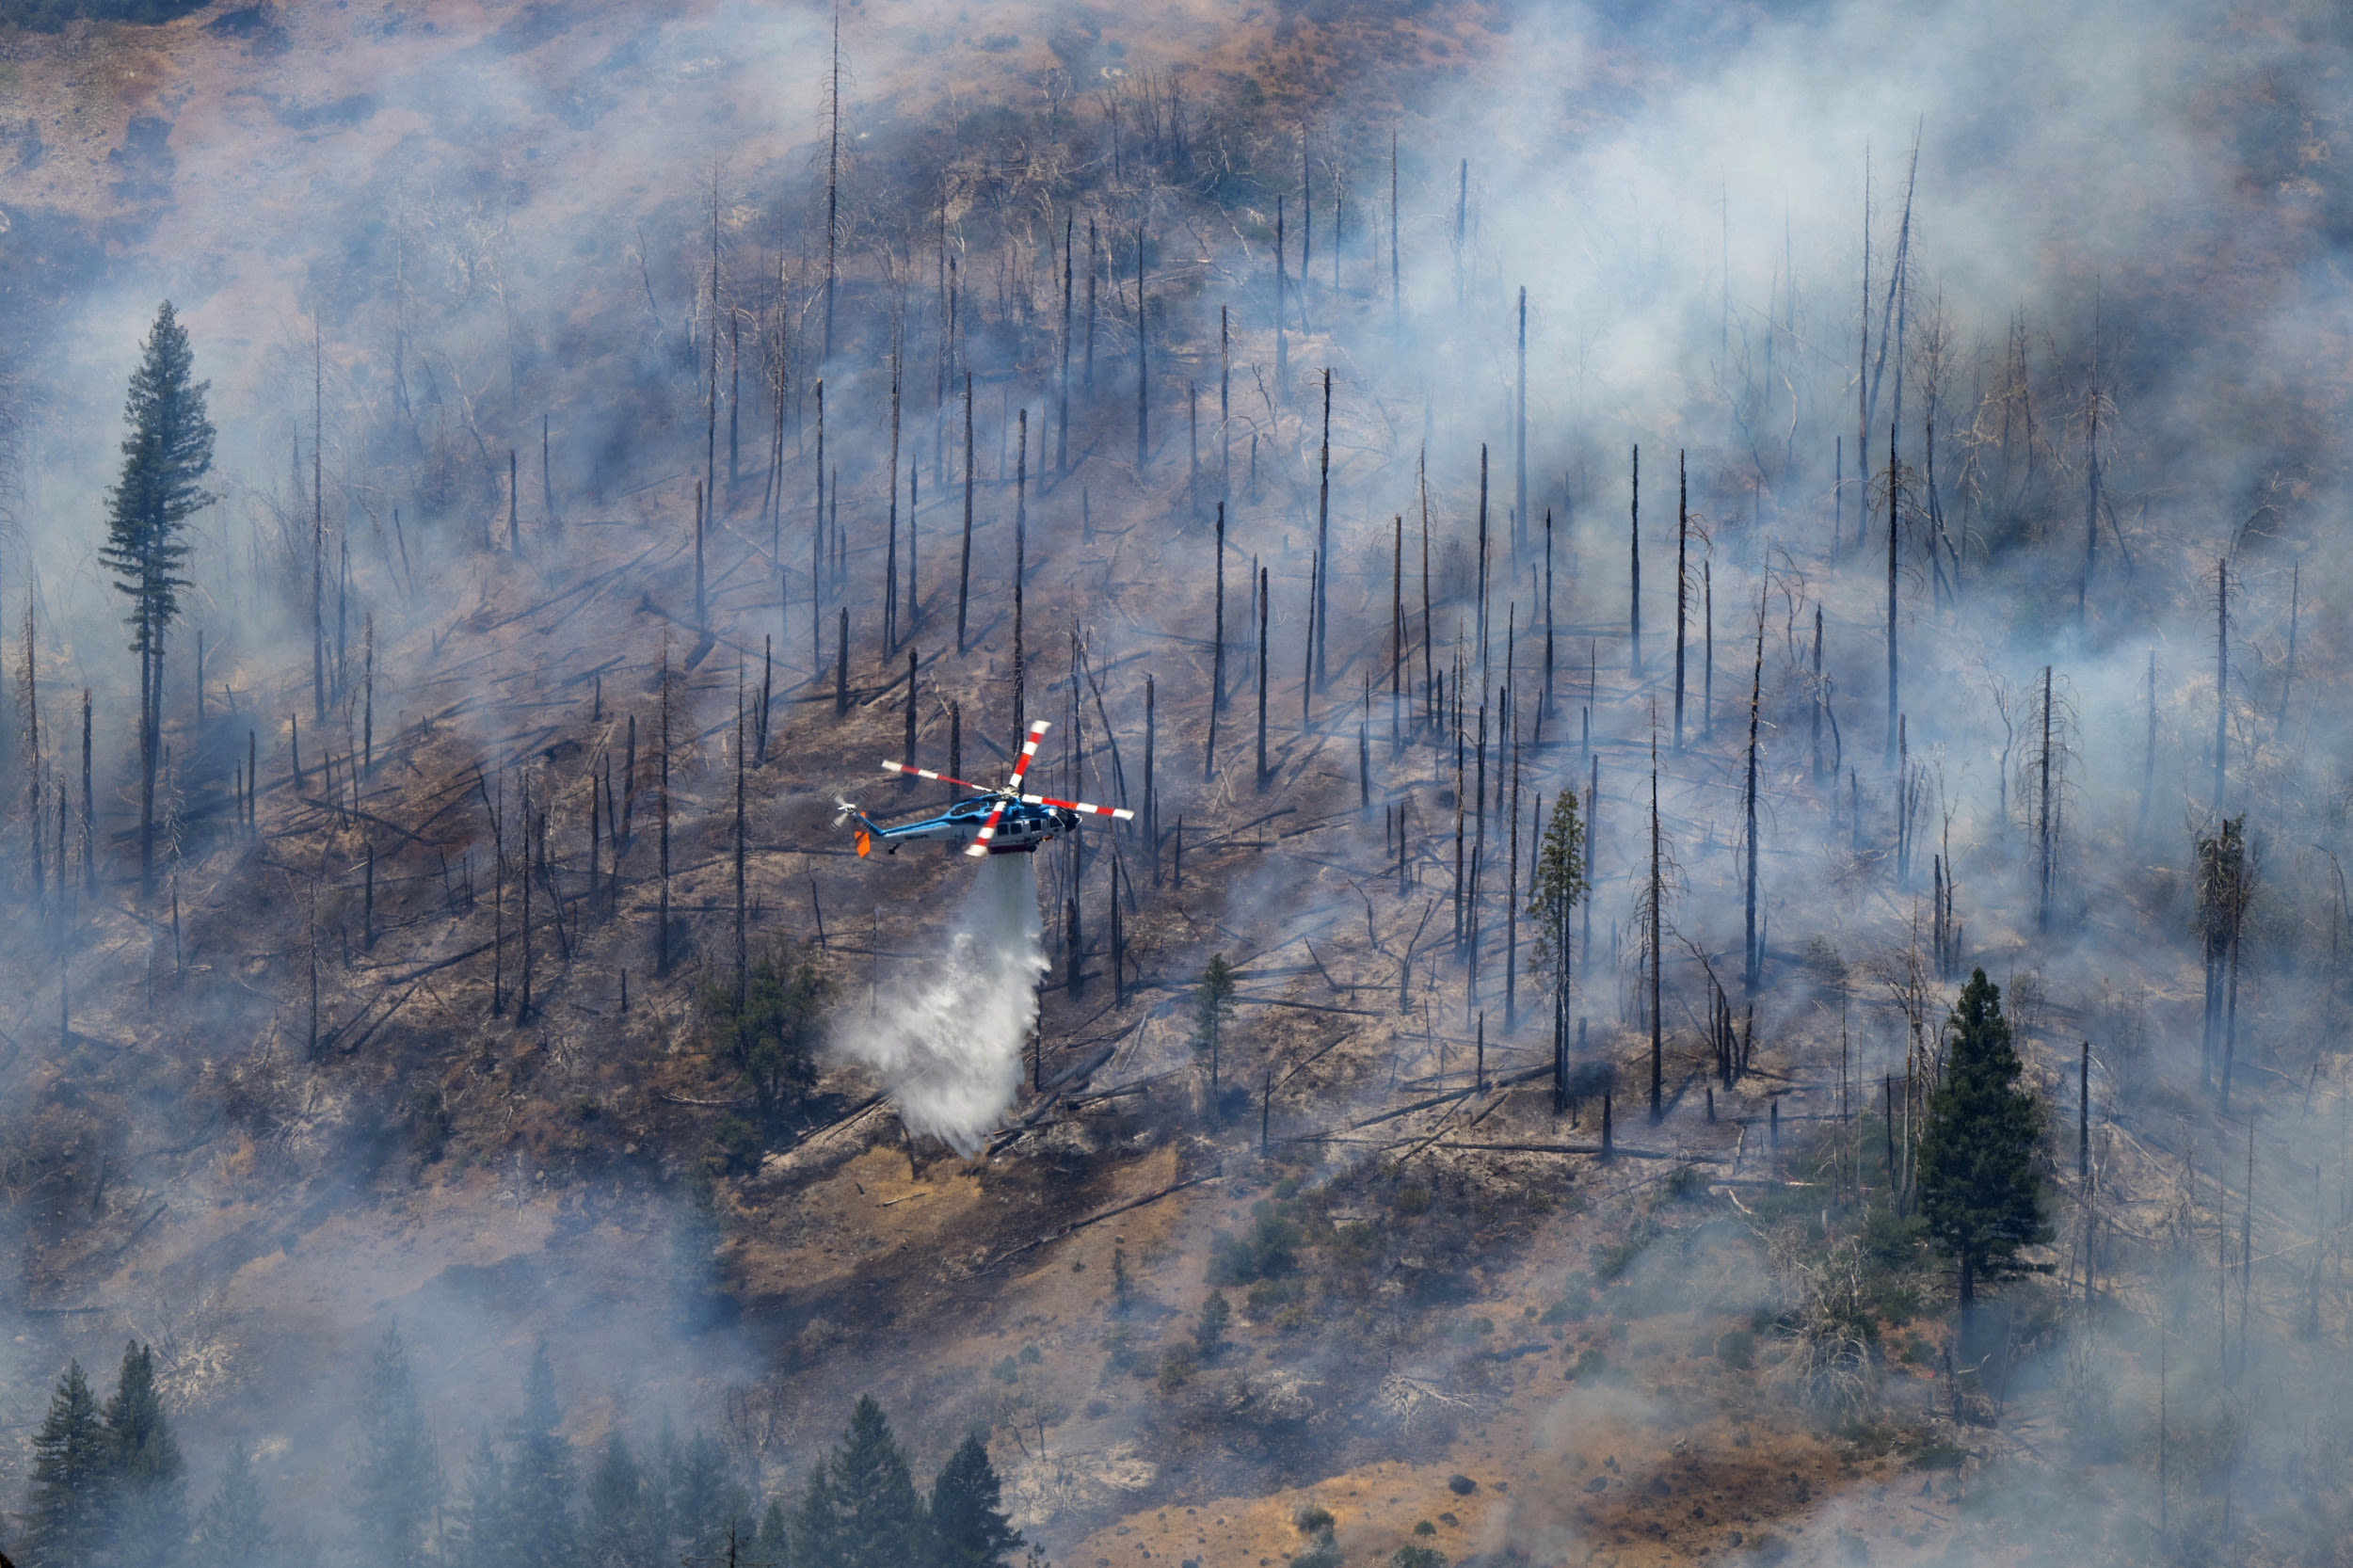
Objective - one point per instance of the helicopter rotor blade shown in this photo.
(1121, 813)
(978, 847)
(926, 773)
(1028, 750)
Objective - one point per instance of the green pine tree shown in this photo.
(398, 1482)
(478, 1533)
(231, 1529)
(67, 1508)
(968, 1526)
(539, 1480)
(1209, 1335)
(703, 1497)
(813, 1531)
(861, 1509)
(614, 1529)
(166, 450)
(772, 1034)
(1980, 1196)
(774, 1543)
(147, 1477)
(1556, 884)
(1213, 1005)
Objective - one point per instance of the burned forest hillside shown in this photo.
(1706, 640)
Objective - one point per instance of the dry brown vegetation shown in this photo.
(1452, 1307)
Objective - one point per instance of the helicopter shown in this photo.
(1002, 821)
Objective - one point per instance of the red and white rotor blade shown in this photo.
(978, 847)
(926, 773)
(1028, 750)
(1119, 811)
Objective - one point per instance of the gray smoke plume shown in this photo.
(947, 1033)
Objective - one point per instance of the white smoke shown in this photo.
(948, 1034)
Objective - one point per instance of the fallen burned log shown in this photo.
(1099, 1216)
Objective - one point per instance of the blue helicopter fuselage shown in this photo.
(1021, 829)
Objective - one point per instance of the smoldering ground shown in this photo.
(1684, 200)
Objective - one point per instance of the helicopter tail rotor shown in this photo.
(863, 833)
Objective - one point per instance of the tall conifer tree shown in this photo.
(1556, 885)
(477, 1537)
(232, 1531)
(167, 451)
(861, 1509)
(66, 1508)
(613, 1530)
(1978, 1190)
(398, 1481)
(539, 1480)
(968, 1524)
(147, 1479)
(774, 1543)
(704, 1497)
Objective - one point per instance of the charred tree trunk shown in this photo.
(1062, 448)
(2149, 753)
(629, 783)
(2042, 809)
(1683, 586)
(1755, 972)
(2221, 679)
(964, 572)
(1224, 408)
(1543, 711)
(662, 802)
(891, 551)
(1020, 568)
(842, 667)
(1397, 637)
(1484, 638)
(1429, 674)
(1634, 549)
(2083, 1115)
(1264, 616)
(1151, 798)
(318, 534)
(910, 734)
(1658, 947)
(1512, 882)
(1519, 442)
(1143, 379)
(523, 1003)
(1307, 653)
(1817, 693)
(1217, 657)
(702, 602)
(833, 179)
(1895, 488)
(817, 551)
(743, 950)
(1707, 649)
(1320, 615)
(90, 813)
